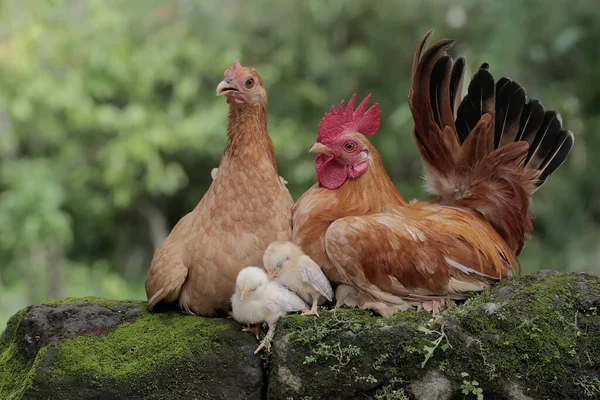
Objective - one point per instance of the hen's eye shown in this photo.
(349, 146)
(249, 83)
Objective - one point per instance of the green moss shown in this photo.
(13, 370)
(532, 330)
(340, 345)
(14, 373)
(137, 348)
(97, 300)
(151, 343)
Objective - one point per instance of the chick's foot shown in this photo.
(255, 329)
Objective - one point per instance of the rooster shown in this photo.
(246, 207)
(484, 159)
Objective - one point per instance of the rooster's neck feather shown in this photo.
(376, 180)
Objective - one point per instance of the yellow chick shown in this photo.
(287, 264)
(257, 300)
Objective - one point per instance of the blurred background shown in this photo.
(109, 123)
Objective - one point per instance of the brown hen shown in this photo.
(246, 207)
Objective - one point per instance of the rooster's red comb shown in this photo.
(336, 122)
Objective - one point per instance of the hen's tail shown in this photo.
(490, 153)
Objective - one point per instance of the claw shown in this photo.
(266, 343)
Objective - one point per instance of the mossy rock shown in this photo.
(100, 349)
(530, 337)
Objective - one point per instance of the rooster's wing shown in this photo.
(419, 252)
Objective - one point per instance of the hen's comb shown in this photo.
(234, 68)
(337, 122)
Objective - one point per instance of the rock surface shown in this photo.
(100, 349)
(530, 337)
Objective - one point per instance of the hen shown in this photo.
(246, 207)
(484, 159)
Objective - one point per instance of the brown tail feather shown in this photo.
(494, 151)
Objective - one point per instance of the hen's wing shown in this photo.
(313, 275)
(279, 298)
(419, 252)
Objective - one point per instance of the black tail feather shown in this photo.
(501, 83)
(479, 100)
(456, 82)
(544, 139)
(510, 99)
(532, 118)
(515, 119)
(438, 85)
(562, 147)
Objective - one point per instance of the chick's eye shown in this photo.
(349, 146)
(249, 83)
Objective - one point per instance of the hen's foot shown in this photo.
(435, 307)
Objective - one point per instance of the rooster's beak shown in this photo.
(319, 148)
(243, 293)
(226, 87)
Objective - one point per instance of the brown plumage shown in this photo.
(484, 159)
(246, 207)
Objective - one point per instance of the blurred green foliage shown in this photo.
(109, 123)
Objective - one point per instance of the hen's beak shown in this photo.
(319, 148)
(243, 293)
(272, 274)
(224, 88)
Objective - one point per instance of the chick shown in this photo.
(257, 300)
(287, 264)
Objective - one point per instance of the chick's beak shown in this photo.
(225, 87)
(243, 293)
(272, 274)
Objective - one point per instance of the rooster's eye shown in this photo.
(349, 146)
(249, 83)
